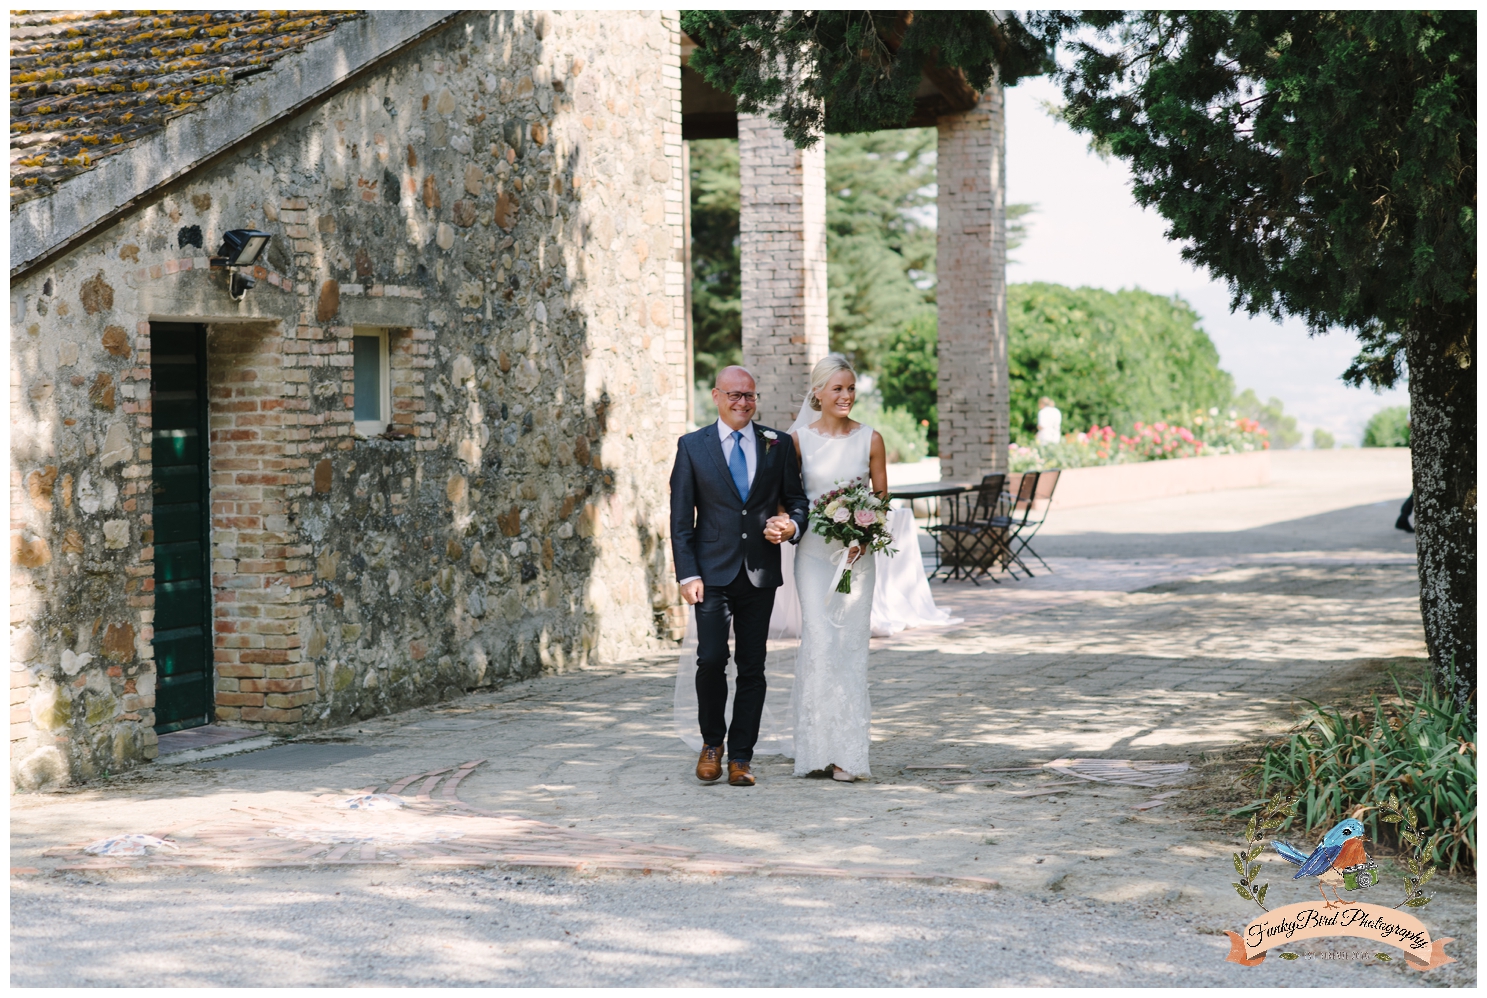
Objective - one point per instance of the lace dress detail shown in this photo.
(829, 699)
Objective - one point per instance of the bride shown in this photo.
(830, 700)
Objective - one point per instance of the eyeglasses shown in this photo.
(740, 396)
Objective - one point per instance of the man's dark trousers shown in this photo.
(747, 608)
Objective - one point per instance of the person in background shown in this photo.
(1405, 512)
(1050, 422)
(1408, 509)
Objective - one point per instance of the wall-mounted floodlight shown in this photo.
(240, 248)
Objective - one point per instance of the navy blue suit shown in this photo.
(718, 535)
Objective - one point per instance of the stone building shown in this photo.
(476, 220)
(427, 450)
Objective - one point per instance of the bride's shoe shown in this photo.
(838, 773)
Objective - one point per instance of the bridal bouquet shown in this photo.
(853, 515)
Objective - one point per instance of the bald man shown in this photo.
(729, 482)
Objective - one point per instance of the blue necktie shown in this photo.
(738, 466)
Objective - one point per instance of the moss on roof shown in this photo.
(87, 84)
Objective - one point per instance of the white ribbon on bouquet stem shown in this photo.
(842, 568)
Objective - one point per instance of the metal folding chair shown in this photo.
(1037, 515)
(973, 545)
(1007, 528)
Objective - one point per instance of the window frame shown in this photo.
(373, 427)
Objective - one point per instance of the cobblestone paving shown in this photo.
(1149, 659)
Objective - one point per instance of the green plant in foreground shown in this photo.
(1419, 752)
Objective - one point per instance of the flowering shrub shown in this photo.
(1231, 434)
(1160, 440)
(1209, 432)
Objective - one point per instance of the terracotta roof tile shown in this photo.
(86, 84)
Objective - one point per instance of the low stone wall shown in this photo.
(1114, 483)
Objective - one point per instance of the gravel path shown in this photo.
(283, 929)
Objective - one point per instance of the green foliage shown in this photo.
(1104, 357)
(905, 438)
(716, 317)
(880, 245)
(1418, 750)
(1321, 162)
(1322, 440)
(703, 409)
(1388, 428)
(909, 375)
(1271, 415)
(880, 249)
(838, 71)
(1107, 357)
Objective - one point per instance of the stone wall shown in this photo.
(506, 199)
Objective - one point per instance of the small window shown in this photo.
(373, 405)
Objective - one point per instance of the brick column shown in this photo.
(971, 250)
(782, 228)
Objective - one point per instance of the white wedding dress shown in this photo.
(829, 699)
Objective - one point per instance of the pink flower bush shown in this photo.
(1210, 433)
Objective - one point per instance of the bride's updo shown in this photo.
(821, 374)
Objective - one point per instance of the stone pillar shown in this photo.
(782, 229)
(971, 254)
(690, 362)
(678, 267)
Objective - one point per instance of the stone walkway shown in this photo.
(1162, 657)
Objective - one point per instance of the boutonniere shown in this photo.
(770, 439)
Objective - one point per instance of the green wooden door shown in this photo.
(182, 519)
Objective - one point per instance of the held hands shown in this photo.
(779, 528)
(692, 592)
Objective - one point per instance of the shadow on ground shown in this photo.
(1369, 527)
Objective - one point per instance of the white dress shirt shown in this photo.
(751, 460)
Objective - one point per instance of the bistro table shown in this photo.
(951, 507)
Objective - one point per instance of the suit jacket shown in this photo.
(713, 531)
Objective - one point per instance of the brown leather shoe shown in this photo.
(710, 763)
(739, 774)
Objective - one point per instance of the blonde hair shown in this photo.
(822, 372)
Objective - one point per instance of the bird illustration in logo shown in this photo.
(1333, 861)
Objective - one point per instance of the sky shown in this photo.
(1088, 230)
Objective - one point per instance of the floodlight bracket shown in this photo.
(239, 283)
